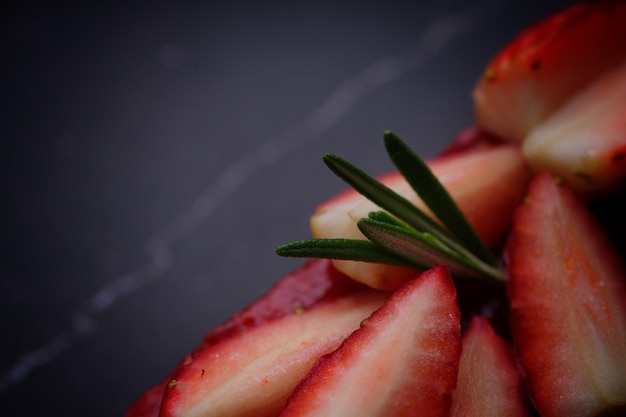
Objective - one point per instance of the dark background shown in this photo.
(153, 157)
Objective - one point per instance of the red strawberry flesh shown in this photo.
(252, 373)
(402, 362)
(489, 382)
(315, 281)
(567, 291)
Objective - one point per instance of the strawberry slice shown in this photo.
(403, 361)
(560, 88)
(584, 141)
(548, 63)
(567, 291)
(471, 137)
(314, 282)
(252, 373)
(149, 403)
(486, 183)
(489, 381)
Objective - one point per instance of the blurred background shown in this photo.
(152, 158)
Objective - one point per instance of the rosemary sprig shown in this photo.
(412, 245)
(430, 190)
(344, 249)
(383, 196)
(404, 235)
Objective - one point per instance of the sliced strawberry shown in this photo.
(547, 64)
(486, 183)
(489, 381)
(560, 87)
(567, 290)
(149, 403)
(584, 141)
(403, 361)
(314, 282)
(472, 137)
(252, 373)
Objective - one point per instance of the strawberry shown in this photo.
(403, 361)
(560, 88)
(149, 403)
(548, 63)
(487, 183)
(567, 291)
(584, 141)
(489, 382)
(314, 282)
(252, 373)
(471, 137)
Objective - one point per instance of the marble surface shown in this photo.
(153, 158)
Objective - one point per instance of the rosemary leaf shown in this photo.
(409, 245)
(383, 216)
(382, 195)
(425, 250)
(428, 187)
(341, 249)
(403, 235)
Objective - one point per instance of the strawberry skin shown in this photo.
(548, 63)
(567, 292)
(403, 361)
(252, 373)
(489, 381)
(149, 403)
(487, 183)
(314, 282)
(471, 137)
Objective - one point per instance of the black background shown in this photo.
(152, 158)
